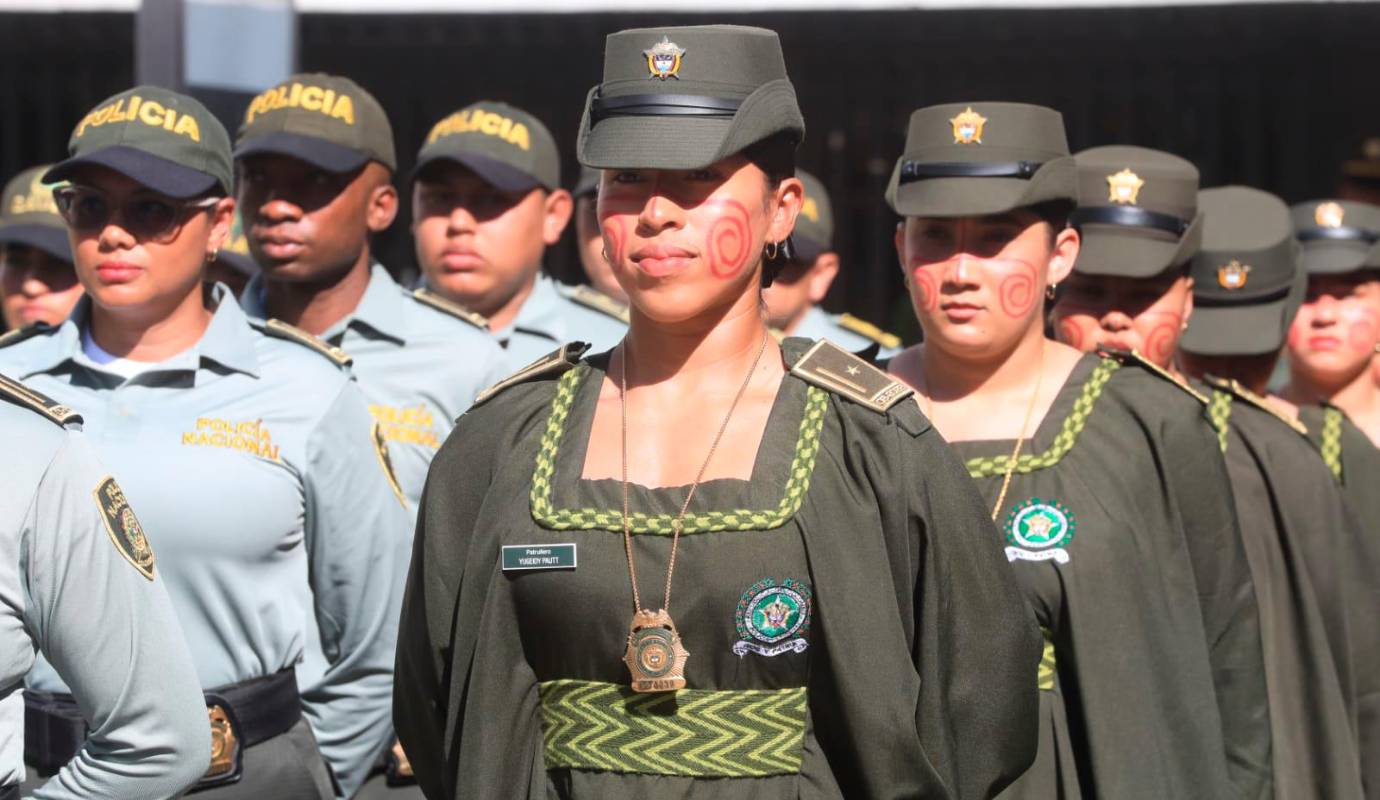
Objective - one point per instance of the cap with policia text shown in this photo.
(29, 215)
(814, 225)
(506, 146)
(164, 140)
(1137, 211)
(1337, 236)
(686, 97)
(1247, 284)
(327, 121)
(975, 159)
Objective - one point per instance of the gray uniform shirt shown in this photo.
(819, 324)
(251, 462)
(548, 320)
(67, 589)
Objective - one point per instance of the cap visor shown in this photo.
(1239, 330)
(805, 249)
(1127, 252)
(50, 240)
(1334, 258)
(154, 172)
(960, 197)
(647, 142)
(319, 153)
(498, 174)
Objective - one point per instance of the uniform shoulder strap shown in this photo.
(20, 394)
(436, 301)
(554, 363)
(281, 330)
(27, 332)
(1234, 386)
(829, 366)
(597, 300)
(867, 330)
(1135, 358)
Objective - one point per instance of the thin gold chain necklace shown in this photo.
(654, 653)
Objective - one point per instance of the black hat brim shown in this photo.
(1131, 252)
(47, 238)
(320, 153)
(154, 172)
(1243, 329)
(499, 174)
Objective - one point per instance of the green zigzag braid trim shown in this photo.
(1331, 445)
(1219, 414)
(1047, 668)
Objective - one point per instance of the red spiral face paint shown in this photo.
(926, 289)
(1362, 332)
(1071, 333)
(615, 237)
(1017, 291)
(728, 243)
(1161, 335)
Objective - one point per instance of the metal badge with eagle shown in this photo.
(1233, 275)
(968, 126)
(664, 59)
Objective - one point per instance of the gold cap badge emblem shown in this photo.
(663, 59)
(1232, 275)
(968, 127)
(1329, 215)
(1124, 187)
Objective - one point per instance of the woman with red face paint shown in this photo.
(1104, 476)
(705, 565)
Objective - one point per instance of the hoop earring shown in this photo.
(604, 251)
(1050, 290)
(213, 255)
(772, 250)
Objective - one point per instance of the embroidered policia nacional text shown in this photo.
(1039, 531)
(312, 98)
(246, 436)
(410, 425)
(124, 528)
(149, 112)
(488, 123)
(773, 618)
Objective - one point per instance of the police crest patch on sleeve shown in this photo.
(123, 527)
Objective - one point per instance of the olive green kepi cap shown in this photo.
(1137, 211)
(1337, 236)
(327, 121)
(974, 159)
(29, 215)
(686, 97)
(164, 140)
(814, 225)
(1247, 284)
(506, 146)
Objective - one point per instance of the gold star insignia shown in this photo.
(1124, 187)
(853, 369)
(968, 127)
(1329, 215)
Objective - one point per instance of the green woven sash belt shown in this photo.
(692, 732)
(1048, 668)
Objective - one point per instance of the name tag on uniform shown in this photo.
(520, 557)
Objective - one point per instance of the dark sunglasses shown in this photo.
(145, 215)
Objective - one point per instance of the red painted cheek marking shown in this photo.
(615, 235)
(1163, 337)
(1071, 333)
(926, 289)
(1017, 292)
(729, 241)
(1361, 335)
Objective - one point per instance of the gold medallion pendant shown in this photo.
(655, 656)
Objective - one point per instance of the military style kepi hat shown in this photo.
(1247, 284)
(684, 98)
(974, 159)
(506, 146)
(29, 215)
(164, 140)
(1137, 211)
(327, 121)
(814, 225)
(1337, 236)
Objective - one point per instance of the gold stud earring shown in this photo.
(1050, 290)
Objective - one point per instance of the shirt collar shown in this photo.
(540, 312)
(381, 309)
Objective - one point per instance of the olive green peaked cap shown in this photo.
(328, 121)
(814, 225)
(1247, 284)
(506, 146)
(1137, 211)
(973, 159)
(686, 97)
(29, 215)
(1337, 235)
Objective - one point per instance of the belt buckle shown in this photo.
(227, 754)
(399, 770)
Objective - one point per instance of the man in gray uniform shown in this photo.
(487, 202)
(589, 239)
(314, 185)
(37, 282)
(794, 296)
(78, 582)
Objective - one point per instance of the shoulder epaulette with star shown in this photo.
(18, 393)
(867, 330)
(282, 330)
(551, 364)
(20, 334)
(436, 301)
(829, 366)
(1235, 387)
(597, 300)
(1134, 357)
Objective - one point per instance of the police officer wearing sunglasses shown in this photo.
(259, 475)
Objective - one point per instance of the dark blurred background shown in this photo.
(1276, 96)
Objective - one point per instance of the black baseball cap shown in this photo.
(29, 215)
(814, 225)
(506, 146)
(328, 121)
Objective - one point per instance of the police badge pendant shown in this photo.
(655, 656)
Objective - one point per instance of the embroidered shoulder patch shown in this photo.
(1134, 357)
(551, 364)
(27, 332)
(281, 330)
(869, 331)
(436, 301)
(1037, 530)
(773, 618)
(1234, 386)
(386, 463)
(123, 527)
(831, 367)
(47, 406)
(597, 300)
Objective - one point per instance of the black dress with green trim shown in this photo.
(853, 630)
(1118, 523)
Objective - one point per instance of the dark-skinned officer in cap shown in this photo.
(1330, 344)
(794, 297)
(841, 623)
(1132, 289)
(37, 282)
(486, 203)
(1102, 471)
(589, 239)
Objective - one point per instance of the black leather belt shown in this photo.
(241, 715)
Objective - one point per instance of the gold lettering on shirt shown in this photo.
(409, 425)
(250, 437)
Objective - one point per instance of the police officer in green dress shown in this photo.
(37, 284)
(247, 449)
(79, 583)
(486, 203)
(315, 159)
(705, 564)
(589, 240)
(795, 294)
